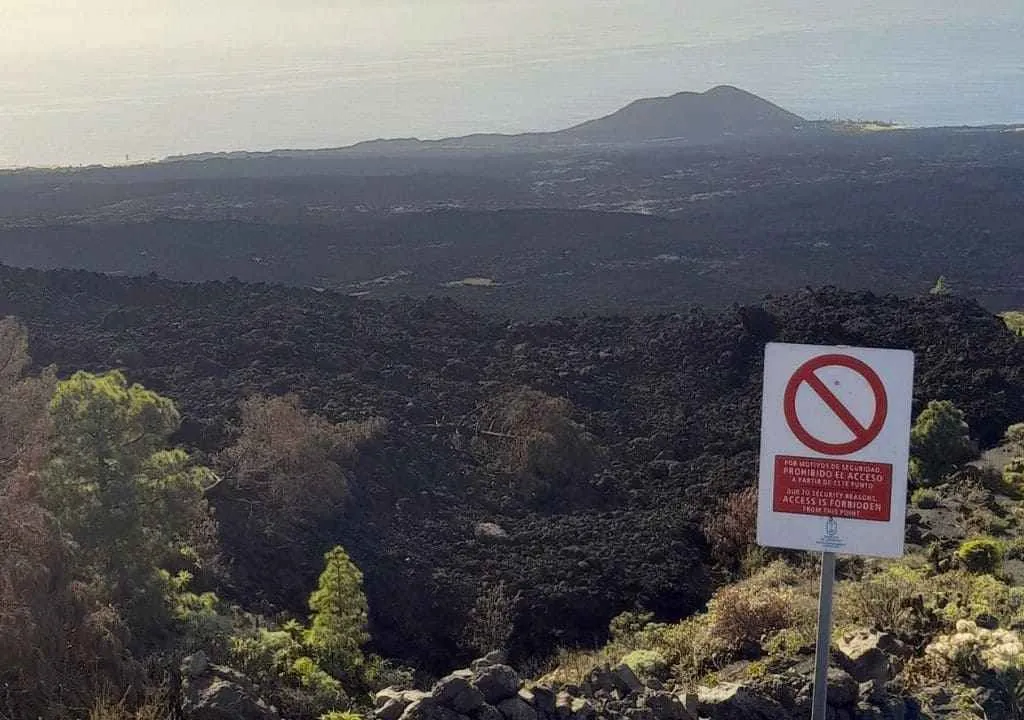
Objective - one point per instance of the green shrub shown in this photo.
(1016, 601)
(573, 666)
(1014, 437)
(1014, 549)
(626, 628)
(941, 287)
(881, 601)
(960, 595)
(925, 499)
(266, 655)
(280, 665)
(981, 555)
(1014, 320)
(380, 673)
(939, 442)
(1000, 483)
(324, 692)
(691, 648)
(646, 663)
(202, 621)
(789, 643)
(1013, 475)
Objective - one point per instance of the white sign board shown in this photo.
(835, 444)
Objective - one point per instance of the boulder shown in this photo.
(666, 706)
(581, 709)
(873, 692)
(487, 712)
(563, 705)
(987, 621)
(391, 709)
(843, 690)
(495, 657)
(625, 680)
(195, 664)
(489, 531)
(599, 679)
(867, 655)
(690, 701)
(541, 698)
(514, 708)
(383, 697)
(868, 712)
(735, 701)
(497, 683)
(429, 709)
(635, 713)
(391, 702)
(220, 699)
(457, 692)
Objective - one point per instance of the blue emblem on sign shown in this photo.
(832, 528)
(831, 540)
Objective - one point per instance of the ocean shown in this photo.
(136, 106)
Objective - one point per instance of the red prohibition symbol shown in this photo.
(862, 436)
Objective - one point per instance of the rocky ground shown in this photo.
(669, 405)
(858, 689)
(613, 230)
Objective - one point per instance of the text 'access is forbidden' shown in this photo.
(834, 488)
(834, 448)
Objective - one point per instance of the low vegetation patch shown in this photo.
(925, 498)
(981, 555)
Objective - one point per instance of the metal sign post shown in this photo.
(822, 649)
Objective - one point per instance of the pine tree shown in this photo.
(940, 287)
(131, 505)
(338, 628)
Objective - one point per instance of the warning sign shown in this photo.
(862, 436)
(835, 433)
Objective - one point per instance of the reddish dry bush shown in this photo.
(59, 645)
(492, 619)
(24, 421)
(289, 462)
(530, 434)
(731, 529)
(743, 613)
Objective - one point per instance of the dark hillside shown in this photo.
(631, 230)
(896, 234)
(671, 403)
(719, 113)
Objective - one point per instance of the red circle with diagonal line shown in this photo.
(862, 436)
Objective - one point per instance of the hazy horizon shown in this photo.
(135, 81)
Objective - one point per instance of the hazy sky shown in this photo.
(99, 80)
